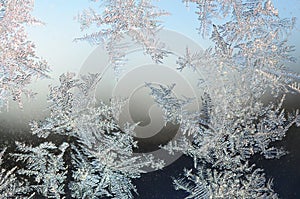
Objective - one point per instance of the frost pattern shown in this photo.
(19, 65)
(95, 158)
(245, 64)
(100, 155)
(10, 186)
(45, 167)
(212, 183)
(138, 20)
(170, 104)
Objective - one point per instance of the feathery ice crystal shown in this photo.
(100, 155)
(95, 158)
(19, 65)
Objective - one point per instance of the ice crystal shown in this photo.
(47, 168)
(244, 182)
(247, 61)
(170, 104)
(96, 159)
(224, 145)
(10, 186)
(137, 20)
(102, 162)
(19, 65)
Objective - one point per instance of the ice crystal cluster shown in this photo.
(95, 158)
(19, 64)
(245, 64)
(116, 19)
(10, 186)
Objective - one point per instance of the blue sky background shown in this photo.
(54, 41)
